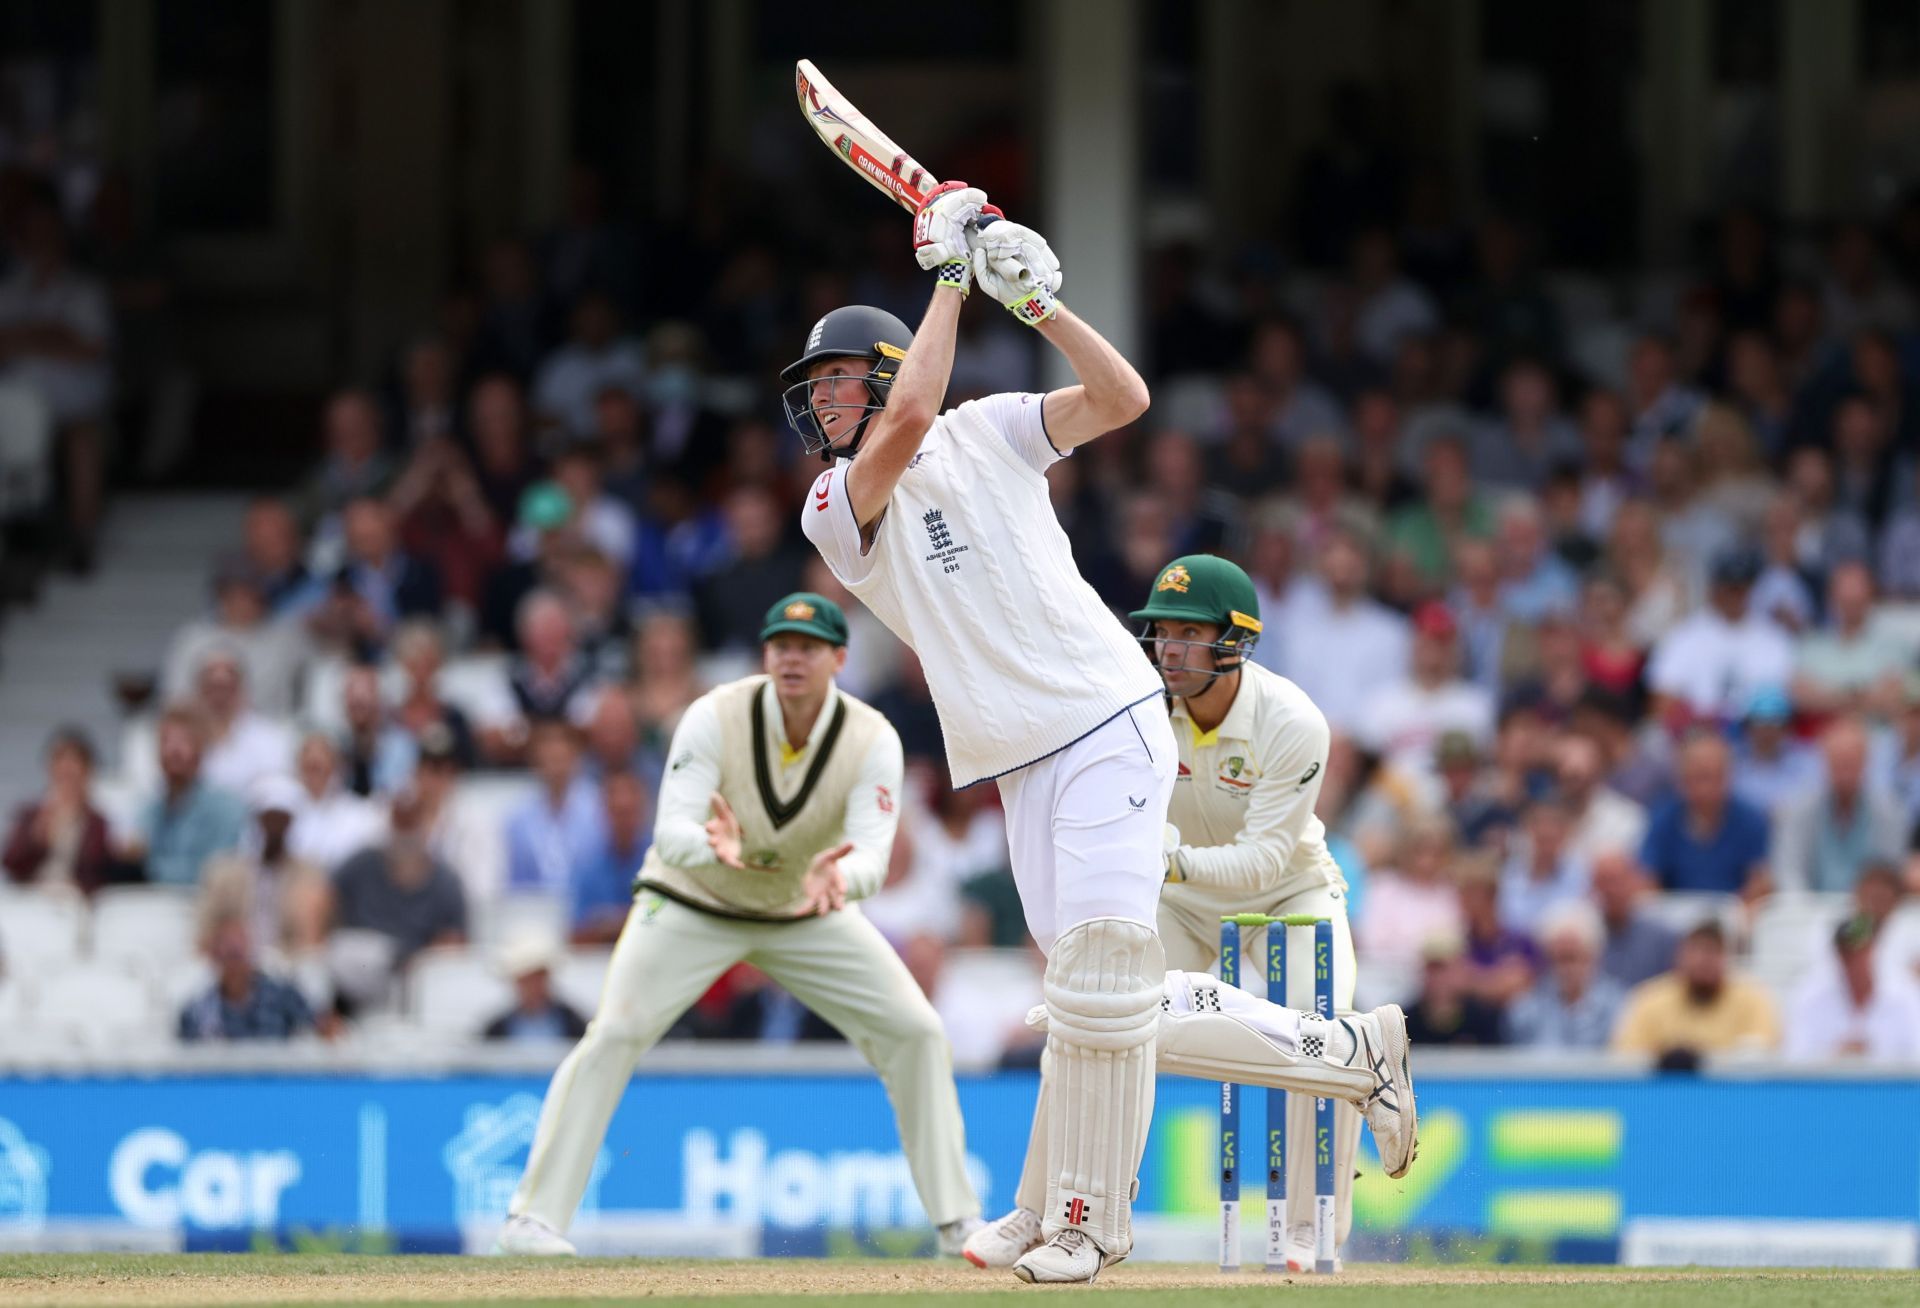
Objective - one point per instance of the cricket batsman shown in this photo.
(940, 523)
(776, 814)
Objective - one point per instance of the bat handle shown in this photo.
(989, 215)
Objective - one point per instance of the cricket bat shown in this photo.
(863, 147)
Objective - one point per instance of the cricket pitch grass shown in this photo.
(163, 1280)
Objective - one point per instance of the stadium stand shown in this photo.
(551, 504)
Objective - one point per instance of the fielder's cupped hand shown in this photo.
(941, 225)
(723, 832)
(825, 885)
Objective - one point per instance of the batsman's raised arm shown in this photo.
(1110, 394)
(912, 405)
(1015, 265)
(912, 402)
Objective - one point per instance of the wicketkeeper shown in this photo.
(777, 813)
(1253, 752)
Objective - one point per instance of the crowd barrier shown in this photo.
(714, 1154)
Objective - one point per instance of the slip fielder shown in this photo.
(776, 814)
(942, 526)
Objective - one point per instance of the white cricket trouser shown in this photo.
(838, 965)
(1084, 825)
(1192, 941)
(1084, 834)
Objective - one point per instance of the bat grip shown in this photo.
(989, 215)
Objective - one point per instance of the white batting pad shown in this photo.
(1221, 1033)
(1103, 986)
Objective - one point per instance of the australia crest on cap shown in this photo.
(1175, 578)
(798, 611)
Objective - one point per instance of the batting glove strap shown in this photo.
(1036, 308)
(957, 273)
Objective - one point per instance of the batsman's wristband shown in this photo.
(1035, 308)
(957, 273)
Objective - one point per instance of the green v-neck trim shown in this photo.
(784, 812)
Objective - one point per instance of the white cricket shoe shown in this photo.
(955, 1234)
(530, 1237)
(1000, 1243)
(1389, 1109)
(1300, 1249)
(1069, 1257)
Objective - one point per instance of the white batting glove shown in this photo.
(1015, 265)
(940, 230)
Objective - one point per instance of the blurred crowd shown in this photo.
(1609, 586)
(84, 353)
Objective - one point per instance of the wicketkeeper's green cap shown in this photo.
(1202, 588)
(810, 615)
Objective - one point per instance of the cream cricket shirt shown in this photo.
(1243, 799)
(842, 784)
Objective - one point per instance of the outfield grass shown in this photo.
(153, 1280)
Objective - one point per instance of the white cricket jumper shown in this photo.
(970, 567)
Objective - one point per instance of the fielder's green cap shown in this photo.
(1202, 588)
(810, 615)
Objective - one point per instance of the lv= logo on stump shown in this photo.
(1319, 932)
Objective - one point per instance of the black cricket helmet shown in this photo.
(856, 331)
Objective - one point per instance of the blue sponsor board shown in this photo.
(424, 1157)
